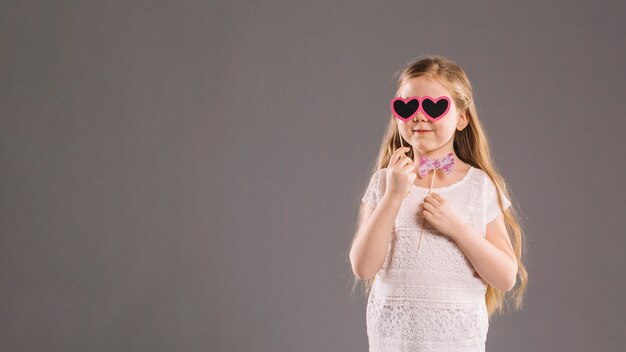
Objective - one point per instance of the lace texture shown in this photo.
(431, 299)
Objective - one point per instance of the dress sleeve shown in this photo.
(492, 207)
(374, 190)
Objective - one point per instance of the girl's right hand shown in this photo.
(399, 175)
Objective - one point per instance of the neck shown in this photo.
(431, 155)
(436, 153)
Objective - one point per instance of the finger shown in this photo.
(409, 168)
(437, 197)
(395, 157)
(429, 207)
(404, 160)
(432, 200)
(397, 154)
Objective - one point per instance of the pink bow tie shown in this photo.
(446, 164)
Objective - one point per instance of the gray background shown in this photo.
(185, 175)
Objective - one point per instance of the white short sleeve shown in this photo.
(491, 198)
(374, 191)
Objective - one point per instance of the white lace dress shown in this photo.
(431, 299)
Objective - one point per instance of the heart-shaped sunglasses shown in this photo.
(406, 108)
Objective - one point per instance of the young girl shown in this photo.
(437, 261)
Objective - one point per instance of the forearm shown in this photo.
(370, 245)
(492, 264)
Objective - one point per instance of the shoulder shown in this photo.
(377, 178)
(380, 174)
(483, 177)
(482, 174)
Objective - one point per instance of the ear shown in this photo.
(463, 121)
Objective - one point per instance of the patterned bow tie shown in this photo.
(446, 164)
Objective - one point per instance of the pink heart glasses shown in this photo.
(406, 108)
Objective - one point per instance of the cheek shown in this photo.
(445, 128)
(404, 127)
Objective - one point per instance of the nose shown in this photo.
(420, 116)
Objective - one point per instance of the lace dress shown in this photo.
(431, 300)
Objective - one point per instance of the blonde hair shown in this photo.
(471, 146)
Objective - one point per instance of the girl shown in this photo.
(437, 262)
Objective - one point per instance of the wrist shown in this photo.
(458, 229)
(392, 199)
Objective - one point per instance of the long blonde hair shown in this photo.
(471, 146)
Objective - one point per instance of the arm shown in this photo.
(369, 248)
(492, 256)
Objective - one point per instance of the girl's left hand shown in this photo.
(438, 212)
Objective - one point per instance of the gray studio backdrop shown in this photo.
(185, 175)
